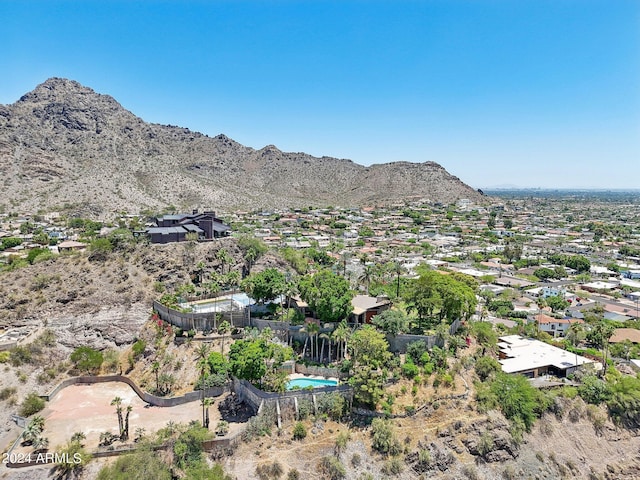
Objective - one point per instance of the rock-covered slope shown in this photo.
(63, 143)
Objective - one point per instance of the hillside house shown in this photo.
(174, 228)
(533, 358)
(366, 307)
(556, 327)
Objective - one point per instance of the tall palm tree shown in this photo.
(325, 337)
(125, 432)
(224, 258)
(344, 258)
(313, 329)
(398, 269)
(233, 280)
(340, 335)
(206, 403)
(223, 329)
(366, 277)
(117, 402)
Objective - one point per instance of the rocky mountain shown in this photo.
(64, 144)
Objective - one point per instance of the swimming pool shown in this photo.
(310, 382)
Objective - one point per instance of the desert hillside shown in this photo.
(64, 144)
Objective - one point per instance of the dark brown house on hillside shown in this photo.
(174, 228)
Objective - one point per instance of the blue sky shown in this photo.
(531, 93)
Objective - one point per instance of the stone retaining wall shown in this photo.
(200, 321)
(398, 344)
(320, 371)
(255, 397)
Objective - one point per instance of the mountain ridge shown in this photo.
(63, 143)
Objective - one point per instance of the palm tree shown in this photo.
(312, 330)
(223, 329)
(325, 337)
(40, 443)
(250, 257)
(366, 277)
(31, 432)
(233, 280)
(340, 335)
(117, 402)
(199, 272)
(202, 352)
(155, 368)
(344, 257)
(206, 403)
(223, 257)
(125, 432)
(398, 269)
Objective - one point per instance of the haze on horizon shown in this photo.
(533, 93)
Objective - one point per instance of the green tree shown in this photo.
(99, 249)
(438, 297)
(391, 322)
(265, 286)
(517, 398)
(328, 295)
(369, 347)
(557, 303)
(253, 248)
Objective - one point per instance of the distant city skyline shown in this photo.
(526, 93)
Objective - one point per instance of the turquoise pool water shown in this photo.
(310, 382)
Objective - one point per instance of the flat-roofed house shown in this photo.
(533, 358)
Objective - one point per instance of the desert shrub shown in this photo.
(75, 451)
(486, 366)
(341, 441)
(392, 467)
(332, 468)
(509, 473)
(138, 348)
(333, 404)
(4, 357)
(260, 424)
(31, 404)
(384, 439)
(293, 474)
(485, 444)
(143, 464)
(86, 359)
(299, 431)
(7, 392)
(356, 460)
(20, 355)
(410, 370)
(597, 417)
(266, 471)
(594, 390)
(471, 472)
(305, 408)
